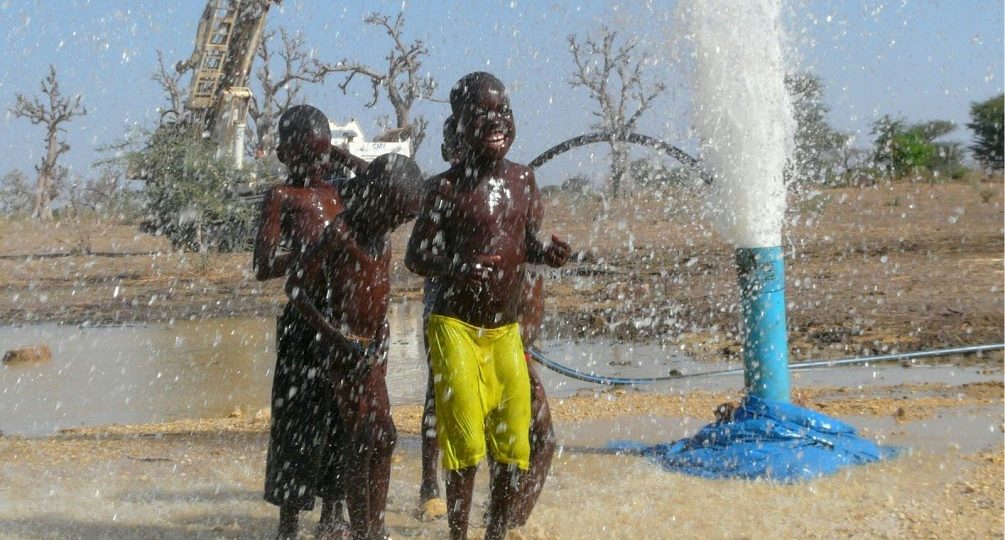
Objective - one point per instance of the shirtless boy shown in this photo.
(542, 435)
(476, 231)
(429, 491)
(341, 287)
(294, 215)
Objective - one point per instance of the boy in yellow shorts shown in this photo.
(477, 229)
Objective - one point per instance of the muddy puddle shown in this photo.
(148, 373)
(208, 368)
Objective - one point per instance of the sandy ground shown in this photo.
(894, 267)
(202, 479)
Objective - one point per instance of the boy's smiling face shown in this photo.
(486, 121)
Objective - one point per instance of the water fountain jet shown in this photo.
(744, 118)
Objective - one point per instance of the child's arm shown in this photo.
(266, 262)
(309, 275)
(354, 163)
(427, 255)
(556, 253)
(531, 308)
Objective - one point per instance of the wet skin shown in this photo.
(479, 222)
(542, 433)
(341, 286)
(296, 214)
(476, 231)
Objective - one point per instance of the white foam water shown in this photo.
(742, 113)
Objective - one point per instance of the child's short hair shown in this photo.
(299, 120)
(461, 92)
(392, 183)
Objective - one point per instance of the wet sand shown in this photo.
(892, 267)
(202, 479)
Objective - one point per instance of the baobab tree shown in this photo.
(281, 73)
(401, 80)
(170, 81)
(613, 75)
(51, 111)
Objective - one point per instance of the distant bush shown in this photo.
(915, 150)
(987, 121)
(190, 196)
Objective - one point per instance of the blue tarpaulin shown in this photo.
(766, 439)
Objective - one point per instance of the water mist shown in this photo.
(744, 119)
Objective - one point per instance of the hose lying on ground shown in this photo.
(574, 373)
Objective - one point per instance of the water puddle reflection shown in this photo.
(209, 368)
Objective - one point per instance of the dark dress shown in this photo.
(304, 445)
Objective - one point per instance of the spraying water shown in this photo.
(742, 114)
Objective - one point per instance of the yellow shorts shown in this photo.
(482, 393)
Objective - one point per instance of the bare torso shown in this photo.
(293, 216)
(351, 283)
(487, 217)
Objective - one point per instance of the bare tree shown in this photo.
(52, 113)
(170, 81)
(613, 77)
(280, 84)
(401, 80)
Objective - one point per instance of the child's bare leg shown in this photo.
(460, 484)
(332, 523)
(353, 454)
(383, 439)
(542, 450)
(429, 488)
(288, 515)
(503, 499)
(358, 494)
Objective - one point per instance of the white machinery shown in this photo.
(351, 137)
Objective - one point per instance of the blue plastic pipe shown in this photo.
(761, 273)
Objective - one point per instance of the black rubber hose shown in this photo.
(573, 373)
(634, 138)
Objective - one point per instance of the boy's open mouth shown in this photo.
(495, 138)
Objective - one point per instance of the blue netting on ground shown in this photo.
(766, 439)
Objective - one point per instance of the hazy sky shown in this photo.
(920, 59)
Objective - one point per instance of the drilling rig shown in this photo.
(225, 45)
(198, 195)
(216, 110)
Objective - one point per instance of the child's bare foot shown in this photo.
(335, 530)
(725, 411)
(432, 509)
(428, 490)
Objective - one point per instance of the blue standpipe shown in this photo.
(765, 335)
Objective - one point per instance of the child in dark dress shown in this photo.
(341, 288)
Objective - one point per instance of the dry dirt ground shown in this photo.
(901, 266)
(893, 267)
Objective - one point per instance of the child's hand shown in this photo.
(480, 269)
(377, 351)
(371, 356)
(557, 253)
